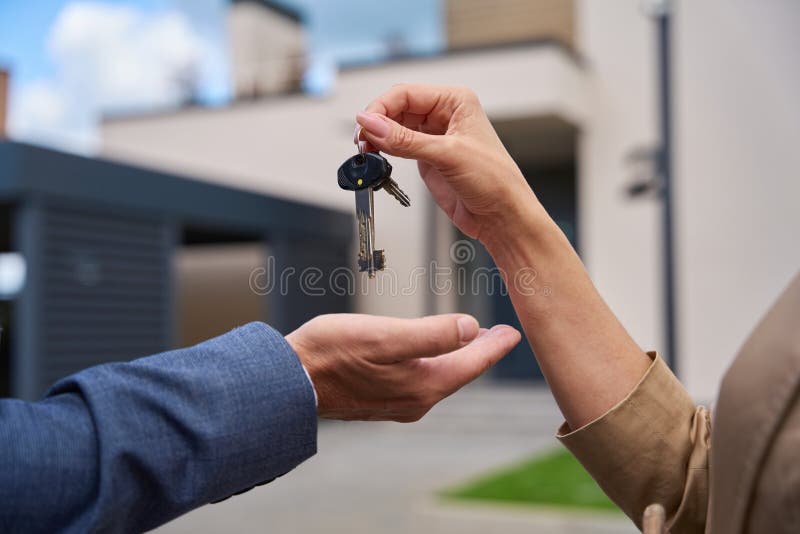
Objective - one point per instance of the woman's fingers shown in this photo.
(440, 190)
(432, 106)
(411, 121)
(393, 138)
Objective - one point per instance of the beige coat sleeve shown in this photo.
(652, 447)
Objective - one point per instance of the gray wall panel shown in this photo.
(104, 292)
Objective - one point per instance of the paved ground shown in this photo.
(382, 478)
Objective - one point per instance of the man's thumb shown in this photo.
(395, 139)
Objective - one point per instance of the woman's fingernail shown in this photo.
(374, 124)
(468, 328)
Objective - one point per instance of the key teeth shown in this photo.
(378, 263)
(401, 198)
(379, 259)
(393, 189)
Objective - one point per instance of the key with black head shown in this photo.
(365, 173)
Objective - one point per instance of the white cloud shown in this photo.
(38, 109)
(109, 58)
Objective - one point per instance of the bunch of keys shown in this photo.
(365, 173)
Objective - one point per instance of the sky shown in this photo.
(73, 61)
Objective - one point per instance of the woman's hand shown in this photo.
(462, 161)
(382, 368)
(589, 360)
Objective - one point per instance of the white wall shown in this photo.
(737, 135)
(618, 236)
(737, 124)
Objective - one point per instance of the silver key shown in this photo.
(369, 259)
(391, 187)
(364, 173)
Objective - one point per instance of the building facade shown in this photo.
(576, 103)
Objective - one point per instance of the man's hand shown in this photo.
(382, 368)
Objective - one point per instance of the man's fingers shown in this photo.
(452, 371)
(405, 339)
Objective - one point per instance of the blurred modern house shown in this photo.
(573, 88)
(103, 261)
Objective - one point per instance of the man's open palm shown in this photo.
(383, 368)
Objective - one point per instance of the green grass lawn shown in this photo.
(551, 479)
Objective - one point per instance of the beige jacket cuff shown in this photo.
(650, 448)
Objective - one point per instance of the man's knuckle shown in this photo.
(424, 396)
(412, 417)
(378, 337)
(419, 396)
(430, 400)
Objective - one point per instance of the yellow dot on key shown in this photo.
(360, 181)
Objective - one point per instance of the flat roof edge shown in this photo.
(28, 169)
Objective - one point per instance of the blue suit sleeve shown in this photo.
(125, 447)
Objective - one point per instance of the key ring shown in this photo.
(362, 145)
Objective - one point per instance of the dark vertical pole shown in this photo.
(431, 249)
(665, 172)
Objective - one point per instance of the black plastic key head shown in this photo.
(364, 170)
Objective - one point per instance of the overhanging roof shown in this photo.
(28, 171)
